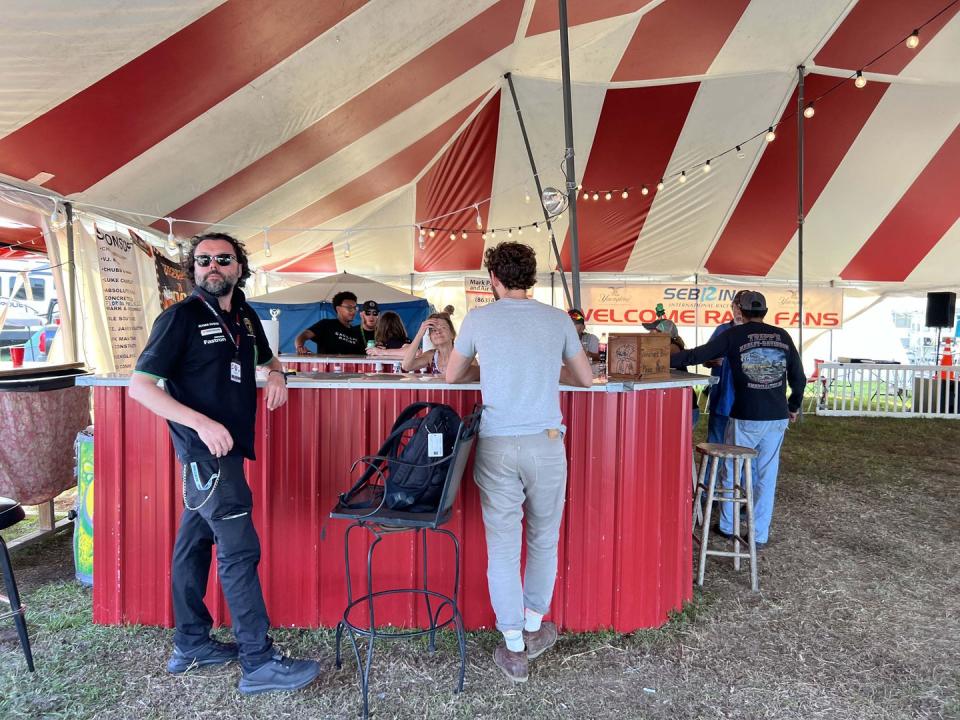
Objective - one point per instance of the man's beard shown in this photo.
(217, 285)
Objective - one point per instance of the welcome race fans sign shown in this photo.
(709, 305)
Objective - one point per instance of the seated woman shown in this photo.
(390, 337)
(442, 336)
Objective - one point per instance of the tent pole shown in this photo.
(72, 274)
(800, 140)
(571, 170)
(536, 178)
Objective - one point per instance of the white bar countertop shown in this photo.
(408, 381)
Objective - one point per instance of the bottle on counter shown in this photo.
(602, 350)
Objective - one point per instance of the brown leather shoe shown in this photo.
(513, 664)
(540, 641)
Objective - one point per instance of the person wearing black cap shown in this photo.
(763, 361)
(369, 314)
(590, 342)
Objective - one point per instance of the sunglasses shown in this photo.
(374, 313)
(223, 260)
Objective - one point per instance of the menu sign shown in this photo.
(122, 298)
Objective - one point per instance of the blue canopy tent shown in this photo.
(303, 305)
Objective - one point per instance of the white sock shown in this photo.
(532, 620)
(514, 640)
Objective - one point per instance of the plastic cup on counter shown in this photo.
(16, 355)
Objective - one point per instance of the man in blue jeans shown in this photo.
(763, 361)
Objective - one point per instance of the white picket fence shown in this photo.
(869, 390)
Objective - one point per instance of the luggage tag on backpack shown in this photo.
(435, 445)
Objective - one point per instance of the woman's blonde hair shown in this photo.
(446, 317)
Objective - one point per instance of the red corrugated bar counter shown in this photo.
(625, 541)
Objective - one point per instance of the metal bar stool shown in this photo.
(10, 514)
(382, 521)
(739, 493)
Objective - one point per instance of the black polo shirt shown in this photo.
(189, 350)
(333, 338)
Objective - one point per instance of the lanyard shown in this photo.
(223, 325)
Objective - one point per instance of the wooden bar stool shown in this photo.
(10, 514)
(740, 493)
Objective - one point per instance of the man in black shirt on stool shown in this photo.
(335, 336)
(205, 349)
(763, 361)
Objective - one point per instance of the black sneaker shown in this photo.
(213, 653)
(279, 673)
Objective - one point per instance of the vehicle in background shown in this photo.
(28, 308)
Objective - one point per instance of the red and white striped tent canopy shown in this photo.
(342, 125)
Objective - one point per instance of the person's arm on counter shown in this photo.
(307, 334)
(144, 389)
(715, 348)
(461, 369)
(576, 371)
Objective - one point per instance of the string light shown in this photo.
(422, 231)
(266, 242)
(608, 196)
(596, 196)
(644, 190)
(861, 81)
(660, 184)
(624, 194)
(453, 236)
(493, 234)
(706, 166)
(771, 135)
(536, 226)
(484, 236)
(526, 196)
(463, 234)
(171, 240)
(479, 221)
(586, 196)
(509, 232)
(808, 111)
(421, 242)
(519, 231)
(433, 233)
(683, 176)
(914, 40)
(740, 152)
(346, 249)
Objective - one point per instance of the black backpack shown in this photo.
(412, 481)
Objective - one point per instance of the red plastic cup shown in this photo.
(16, 356)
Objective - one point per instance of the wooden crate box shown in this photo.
(638, 357)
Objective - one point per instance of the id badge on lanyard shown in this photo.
(235, 370)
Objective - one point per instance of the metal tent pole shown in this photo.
(800, 140)
(72, 274)
(571, 170)
(536, 178)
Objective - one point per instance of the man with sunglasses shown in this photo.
(369, 316)
(206, 349)
(335, 336)
(590, 342)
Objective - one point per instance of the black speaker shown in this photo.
(941, 309)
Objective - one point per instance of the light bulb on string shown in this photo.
(608, 196)
(520, 230)
(683, 176)
(740, 152)
(509, 232)
(432, 233)
(171, 240)
(484, 236)
(266, 242)
(596, 196)
(453, 236)
(914, 40)
(771, 135)
(644, 190)
(463, 234)
(660, 184)
(421, 242)
(526, 196)
(479, 220)
(422, 232)
(346, 249)
(586, 196)
(493, 234)
(536, 226)
(624, 195)
(808, 111)
(706, 167)
(861, 81)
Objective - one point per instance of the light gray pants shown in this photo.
(517, 474)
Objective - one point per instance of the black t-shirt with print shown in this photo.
(190, 351)
(763, 361)
(333, 338)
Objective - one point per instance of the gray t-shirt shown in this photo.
(521, 345)
(591, 343)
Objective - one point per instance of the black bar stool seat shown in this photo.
(10, 514)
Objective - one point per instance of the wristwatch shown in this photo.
(281, 373)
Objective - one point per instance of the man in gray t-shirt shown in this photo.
(525, 349)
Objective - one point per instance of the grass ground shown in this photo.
(858, 617)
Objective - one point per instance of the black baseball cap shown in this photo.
(753, 302)
(370, 307)
(576, 315)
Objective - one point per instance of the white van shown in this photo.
(28, 300)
